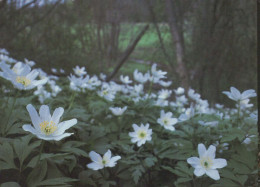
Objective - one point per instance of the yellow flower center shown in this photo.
(206, 162)
(105, 92)
(141, 134)
(165, 121)
(104, 162)
(23, 80)
(48, 127)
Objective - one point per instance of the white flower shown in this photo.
(117, 111)
(219, 106)
(102, 76)
(187, 115)
(157, 74)
(79, 71)
(244, 104)
(21, 76)
(54, 70)
(193, 95)
(141, 134)
(167, 121)
(100, 163)
(29, 62)
(179, 91)
(125, 79)
(91, 82)
(48, 127)
(210, 123)
(138, 76)
(164, 94)
(235, 94)
(164, 83)
(206, 163)
(107, 92)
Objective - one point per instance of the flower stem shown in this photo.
(119, 127)
(12, 108)
(40, 153)
(72, 98)
(150, 87)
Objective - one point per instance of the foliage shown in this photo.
(159, 162)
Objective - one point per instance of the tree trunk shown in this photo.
(181, 69)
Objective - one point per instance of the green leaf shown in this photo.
(7, 156)
(150, 161)
(37, 174)
(137, 172)
(56, 181)
(23, 149)
(10, 184)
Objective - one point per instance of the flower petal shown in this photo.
(213, 173)
(32, 75)
(95, 157)
(34, 116)
(64, 126)
(235, 93)
(95, 166)
(59, 137)
(211, 152)
(201, 149)
(30, 129)
(194, 162)
(113, 160)
(57, 114)
(45, 113)
(107, 155)
(219, 163)
(199, 172)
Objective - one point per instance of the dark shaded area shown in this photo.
(212, 44)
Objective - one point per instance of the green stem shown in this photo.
(40, 153)
(238, 110)
(12, 108)
(72, 98)
(119, 127)
(150, 87)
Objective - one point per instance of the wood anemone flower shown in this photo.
(48, 127)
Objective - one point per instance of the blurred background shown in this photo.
(206, 45)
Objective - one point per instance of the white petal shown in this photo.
(213, 173)
(64, 126)
(26, 69)
(30, 129)
(194, 162)
(115, 158)
(135, 127)
(57, 114)
(34, 116)
(107, 155)
(95, 157)
(201, 149)
(199, 172)
(59, 137)
(132, 134)
(39, 82)
(219, 163)
(45, 113)
(134, 140)
(248, 93)
(235, 93)
(95, 166)
(32, 75)
(211, 152)
(139, 143)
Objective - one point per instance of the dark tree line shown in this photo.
(212, 46)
